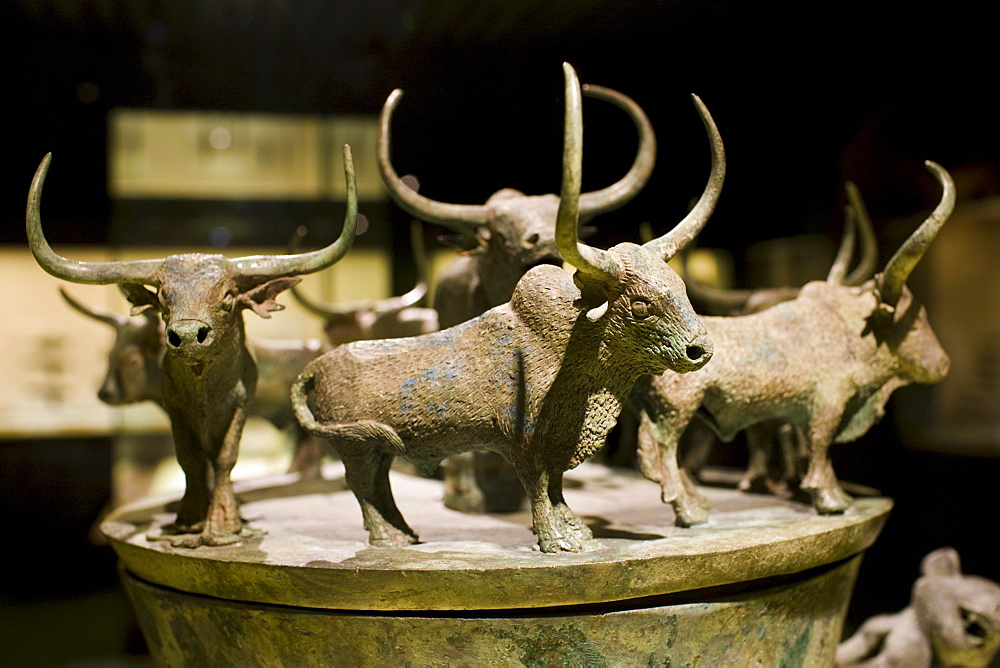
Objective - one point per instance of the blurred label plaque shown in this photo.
(214, 155)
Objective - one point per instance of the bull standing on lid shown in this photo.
(208, 375)
(825, 362)
(539, 380)
(508, 235)
(763, 436)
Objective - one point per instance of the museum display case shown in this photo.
(201, 129)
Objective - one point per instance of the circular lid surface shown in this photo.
(310, 550)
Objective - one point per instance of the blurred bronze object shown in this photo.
(390, 318)
(208, 375)
(952, 620)
(540, 380)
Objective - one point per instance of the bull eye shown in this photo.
(531, 240)
(640, 309)
(227, 301)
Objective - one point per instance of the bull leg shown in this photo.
(308, 459)
(224, 524)
(194, 503)
(554, 535)
(697, 440)
(760, 438)
(821, 482)
(461, 491)
(791, 442)
(658, 461)
(570, 519)
(367, 474)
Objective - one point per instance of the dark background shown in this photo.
(806, 96)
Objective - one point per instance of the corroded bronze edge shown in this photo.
(625, 569)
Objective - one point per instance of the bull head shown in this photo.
(899, 320)
(370, 318)
(134, 360)
(627, 284)
(198, 296)
(512, 232)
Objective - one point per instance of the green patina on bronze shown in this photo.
(313, 552)
(795, 623)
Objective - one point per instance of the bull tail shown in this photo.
(360, 430)
(300, 401)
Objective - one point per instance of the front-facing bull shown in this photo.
(825, 362)
(539, 380)
(208, 376)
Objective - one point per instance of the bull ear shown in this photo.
(261, 298)
(942, 562)
(140, 297)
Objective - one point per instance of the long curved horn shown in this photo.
(904, 260)
(459, 217)
(419, 291)
(869, 246)
(686, 230)
(95, 273)
(107, 317)
(620, 193)
(592, 263)
(274, 266)
(466, 217)
(844, 254)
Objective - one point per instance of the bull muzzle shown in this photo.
(699, 351)
(188, 336)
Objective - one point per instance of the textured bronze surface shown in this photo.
(794, 623)
(825, 362)
(540, 380)
(312, 551)
(208, 375)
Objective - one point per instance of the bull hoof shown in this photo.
(753, 484)
(574, 525)
(570, 543)
(831, 500)
(394, 540)
(691, 511)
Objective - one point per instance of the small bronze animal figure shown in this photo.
(952, 620)
(762, 437)
(208, 375)
(825, 362)
(539, 380)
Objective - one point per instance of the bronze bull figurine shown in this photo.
(825, 362)
(539, 380)
(208, 375)
(762, 437)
